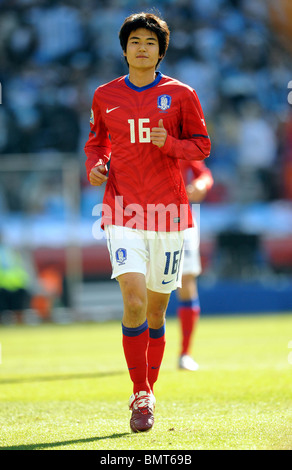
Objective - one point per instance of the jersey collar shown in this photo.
(142, 88)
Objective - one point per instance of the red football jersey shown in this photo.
(145, 187)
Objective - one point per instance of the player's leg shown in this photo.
(163, 276)
(129, 257)
(188, 314)
(135, 344)
(135, 328)
(156, 311)
(188, 299)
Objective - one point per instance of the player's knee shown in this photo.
(156, 316)
(134, 303)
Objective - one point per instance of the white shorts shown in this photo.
(192, 259)
(157, 255)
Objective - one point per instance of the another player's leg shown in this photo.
(188, 314)
(135, 344)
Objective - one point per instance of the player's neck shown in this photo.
(141, 78)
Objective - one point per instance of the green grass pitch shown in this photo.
(67, 387)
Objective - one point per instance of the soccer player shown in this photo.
(198, 180)
(144, 123)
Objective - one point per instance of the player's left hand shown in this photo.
(158, 134)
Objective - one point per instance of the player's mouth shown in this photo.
(141, 57)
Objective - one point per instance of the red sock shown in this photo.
(188, 313)
(155, 353)
(135, 344)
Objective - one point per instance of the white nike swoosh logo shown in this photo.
(110, 110)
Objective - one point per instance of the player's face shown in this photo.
(142, 49)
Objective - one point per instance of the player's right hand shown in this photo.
(98, 176)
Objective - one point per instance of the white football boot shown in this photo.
(187, 363)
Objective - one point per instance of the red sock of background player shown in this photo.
(135, 344)
(188, 313)
(155, 353)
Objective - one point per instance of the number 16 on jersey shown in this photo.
(143, 132)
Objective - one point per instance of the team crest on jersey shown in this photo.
(164, 102)
(121, 256)
(91, 117)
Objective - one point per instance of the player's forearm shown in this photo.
(94, 158)
(197, 148)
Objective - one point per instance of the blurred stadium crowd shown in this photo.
(55, 53)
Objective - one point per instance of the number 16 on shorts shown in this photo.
(172, 262)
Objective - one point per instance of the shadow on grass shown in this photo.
(51, 378)
(48, 445)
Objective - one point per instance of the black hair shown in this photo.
(149, 21)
